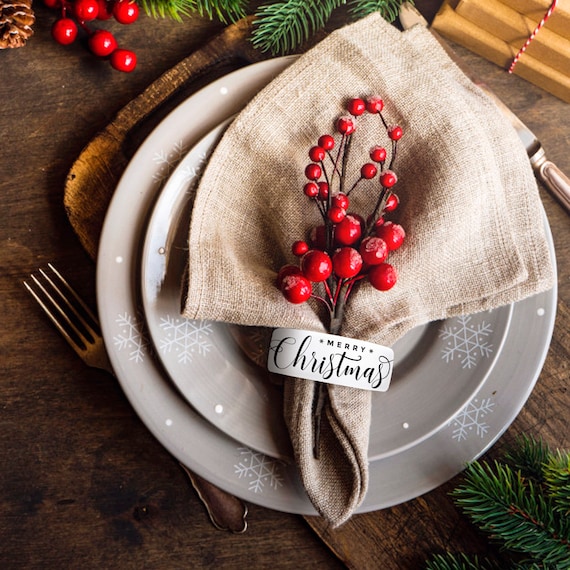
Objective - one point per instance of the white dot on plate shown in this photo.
(540, 312)
(161, 250)
(405, 425)
(224, 91)
(168, 422)
(218, 408)
(119, 259)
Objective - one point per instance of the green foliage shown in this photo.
(522, 503)
(557, 480)
(281, 25)
(224, 10)
(388, 8)
(460, 561)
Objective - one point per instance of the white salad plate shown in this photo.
(416, 464)
(432, 380)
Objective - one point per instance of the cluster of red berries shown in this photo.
(346, 247)
(75, 15)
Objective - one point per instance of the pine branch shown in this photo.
(451, 561)
(388, 8)
(557, 480)
(512, 509)
(529, 456)
(284, 25)
(224, 10)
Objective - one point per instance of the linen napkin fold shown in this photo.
(468, 201)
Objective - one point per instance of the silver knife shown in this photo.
(545, 170)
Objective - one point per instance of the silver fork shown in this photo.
(80, 328)
(71, 316)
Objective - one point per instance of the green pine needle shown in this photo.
(282, 26)
(529, 456)
(513, 510)
(388, 8)
(224, 10)
(557, 481)
(450, 561)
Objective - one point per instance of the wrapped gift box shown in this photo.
(449, 23)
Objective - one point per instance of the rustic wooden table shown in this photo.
(83, 482)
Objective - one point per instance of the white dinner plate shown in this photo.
(227, 462)
(436, 372)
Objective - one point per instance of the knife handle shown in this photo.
(556, 181)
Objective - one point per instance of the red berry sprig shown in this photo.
(74, 16)
(346, 248)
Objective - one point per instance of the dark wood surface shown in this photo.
(83, 483)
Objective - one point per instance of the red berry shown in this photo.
(316, 265)
(105, 10)
(373, 250)
(391, 203)
(383, 276)
(102, 43)
(393, 234)
(64, 31)
(313, 171)
(356, 107)
(317, 154)
(123, 60)
(285, 271)
(311, 189)
(326, 142)
(86, 10)
(379, 222)
(323, 191)
(125, 11)
(341, 200)
(378, 154)
(318, 237)
(299, 248)
(368, 171)
(336, 214)
(347, 262)
(388, 179)
(52, 3)
(296, 288)
(348, 230)
(395, 132)
(374, 104)
(345, 125)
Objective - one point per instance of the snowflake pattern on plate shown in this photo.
(471, 419)
(261, 470)
(466, 341)
(131, 337)
(185, 337)
(167, 160)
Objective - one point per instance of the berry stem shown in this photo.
(319, 402)
(380, 203)
(394, 148)
(344, 162)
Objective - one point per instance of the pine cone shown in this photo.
(16, 20)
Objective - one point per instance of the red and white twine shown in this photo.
(533, 35)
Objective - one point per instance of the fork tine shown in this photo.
(71, 341)
(92, 329)
(79, 300)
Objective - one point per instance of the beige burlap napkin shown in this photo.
(469, 204)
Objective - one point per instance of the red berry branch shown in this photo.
(74, 15)
(347, 247)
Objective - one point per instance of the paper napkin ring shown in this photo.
(330, 358)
